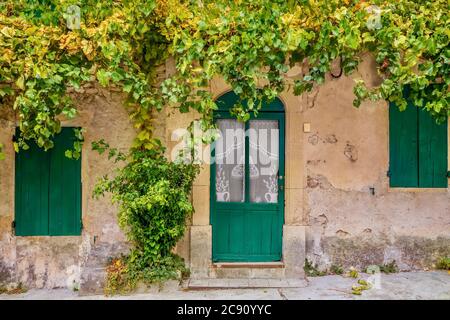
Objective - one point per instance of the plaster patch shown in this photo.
(351, 152)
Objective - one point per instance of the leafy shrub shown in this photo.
(154, 202)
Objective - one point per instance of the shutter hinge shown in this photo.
(13, 227)
(448, 174)
(81, 225)
(388, 173)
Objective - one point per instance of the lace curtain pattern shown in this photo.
(263, 161)
(230, 159)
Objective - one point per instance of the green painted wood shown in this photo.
(229, 99)
(48, 190)
(65, 187)
(245, 231)
(418, 149)
(433, 152)
(31, 192)
(403, 147)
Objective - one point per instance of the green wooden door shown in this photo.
(48, 190)
(247, 188)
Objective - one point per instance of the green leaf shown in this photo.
(68, 154)
(20, 83)
(103, 77)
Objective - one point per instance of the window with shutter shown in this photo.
(417, 149)
(48, 190)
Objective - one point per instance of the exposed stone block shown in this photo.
(201, 251)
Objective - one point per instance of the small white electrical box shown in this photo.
(306, 127)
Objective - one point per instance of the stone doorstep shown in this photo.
(199, 284)
(251, 265)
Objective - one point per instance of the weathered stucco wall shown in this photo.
(68, 261)
(337, 185)
(355, 219)
(339, 207)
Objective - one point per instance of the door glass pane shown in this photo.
(230, 159)
(264, 160)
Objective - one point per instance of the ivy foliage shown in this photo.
(251, 44)
(116, 43)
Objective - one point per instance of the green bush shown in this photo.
(154, 202)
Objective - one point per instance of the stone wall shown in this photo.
(49, 262)
(354, 218)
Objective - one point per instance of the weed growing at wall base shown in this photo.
(443, 263)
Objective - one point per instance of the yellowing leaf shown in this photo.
(20, 83)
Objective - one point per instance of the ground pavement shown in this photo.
(403, 285)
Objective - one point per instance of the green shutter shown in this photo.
(432, 152)
(48, 190)
(31, 192)
(65, 187)
(403, 146)
(418, 149)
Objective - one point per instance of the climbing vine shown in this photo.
(49, 48)
(115, 44)
(251, 44)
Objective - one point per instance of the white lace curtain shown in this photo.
(230, 159)
(263, 161)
